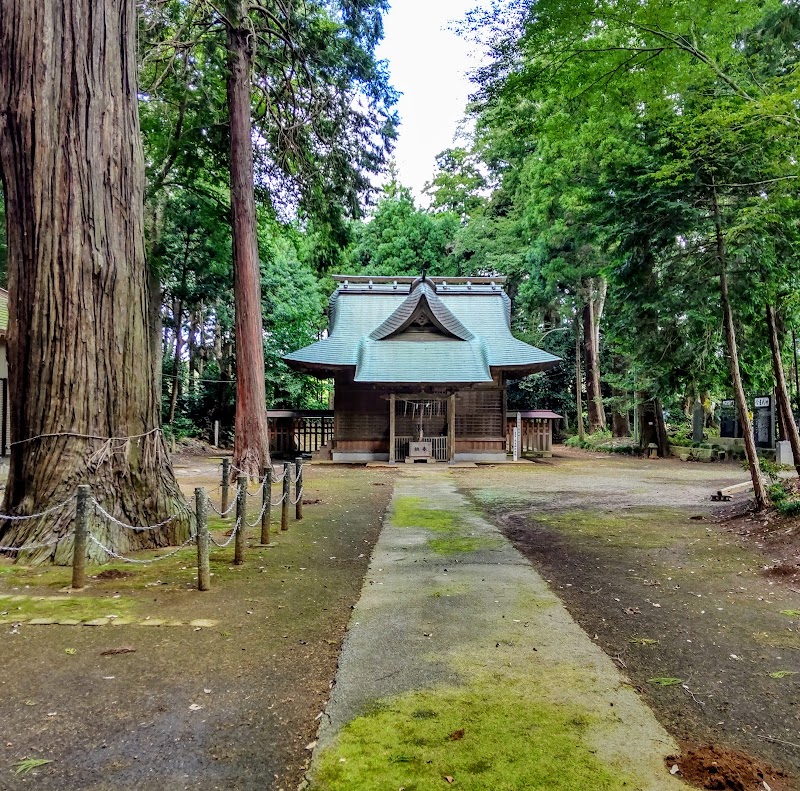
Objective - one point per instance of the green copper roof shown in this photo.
(422, 302)
(464, 334)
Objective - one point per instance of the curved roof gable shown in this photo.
(421, 305)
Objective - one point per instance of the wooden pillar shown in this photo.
(392, 458)
(451, 427)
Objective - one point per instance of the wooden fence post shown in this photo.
(226, 470)
(81, 537)
(266, 502)
(203, 568)
(298, 489)
(287, 474)
(241, 520)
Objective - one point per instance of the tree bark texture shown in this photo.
(594, 397)
(251, 444)
(81, 352)
(781, 390)
(759, 489)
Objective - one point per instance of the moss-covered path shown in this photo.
(461, 667)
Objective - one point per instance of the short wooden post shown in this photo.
(266, 503)
(203, 567)
(298, 488)
(287, 482)
(81, 537)
(226, 471)
(241, 520)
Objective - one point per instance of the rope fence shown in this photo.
(88, 511)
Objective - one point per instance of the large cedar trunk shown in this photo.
(785, 406)
(82, 357)
(250, 446)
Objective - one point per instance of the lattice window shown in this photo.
(479, 413)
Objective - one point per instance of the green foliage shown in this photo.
(401, 239)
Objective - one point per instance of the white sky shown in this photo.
(428, 65)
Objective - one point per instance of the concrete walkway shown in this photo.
(454, 626)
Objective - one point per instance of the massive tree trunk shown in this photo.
(759, 489)
(592, 310)
(782, 392)
(250, 445)
(84, 401)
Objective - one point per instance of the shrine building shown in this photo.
(419, 363)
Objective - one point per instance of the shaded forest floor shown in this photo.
(230, 701)
(688, 605)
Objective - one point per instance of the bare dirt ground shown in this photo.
(688, 606)
(228, 706)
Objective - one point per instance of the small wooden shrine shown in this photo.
(419, 360)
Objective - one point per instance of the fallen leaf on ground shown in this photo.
(195, 707)
(449, 779)
(457, 735)
(665, 681)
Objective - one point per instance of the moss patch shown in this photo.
(483, 737)
(454, 544)
(411, 512)
(81, 608)
(643, 528)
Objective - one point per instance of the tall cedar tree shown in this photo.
(81, 357)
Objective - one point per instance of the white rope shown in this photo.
(135, 528)
(25, 517)
(282, 498)
(84, 436)
(113, 554)
(258, 491)
(258, 518)
(30, 546)
(299, 473)
(297, 499)
(230, 538)
(222, 513)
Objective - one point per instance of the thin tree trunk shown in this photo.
(80, 343)
(176, 382)
(759, 490)
(578, 398)
(594, 398)
(796, 372)
(782, 392)
(251, 447)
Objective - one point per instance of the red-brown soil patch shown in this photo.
(719, 769)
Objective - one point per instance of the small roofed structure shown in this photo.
(419, 364)
(535, 431)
